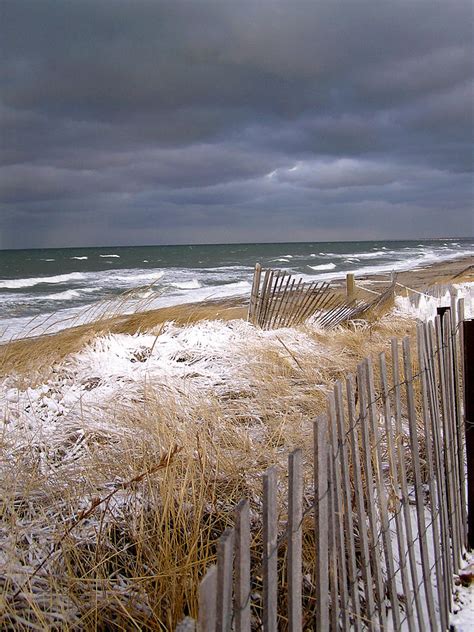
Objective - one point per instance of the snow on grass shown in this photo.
(462, 618)
(112, 372)
(424, 306)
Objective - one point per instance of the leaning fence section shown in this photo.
(366, 533)
(278, 299)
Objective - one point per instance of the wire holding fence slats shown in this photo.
(386, 513)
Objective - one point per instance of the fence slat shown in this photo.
(295, 540)
(435, 512)
(401, 542)
(281, 322)
(333, 558)
(404, 485)
(447, 444)
(207, 601)
(348, 520)
(381, 494)
(242, 568)
(454, 420)
(360, 508)
(369, 490)
(321, 514)
(225, 549)
(440, 477)
(338, 503)
(469, 421)
(270, 552)
(419, 498)
(461, 426)
(254, 292)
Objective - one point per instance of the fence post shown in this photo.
(350, 286)
(468, 341)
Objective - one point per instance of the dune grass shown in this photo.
(109, 521)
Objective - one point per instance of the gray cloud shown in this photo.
(176, 121)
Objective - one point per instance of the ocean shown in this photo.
(43, 290)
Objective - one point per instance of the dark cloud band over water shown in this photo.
(166, 122)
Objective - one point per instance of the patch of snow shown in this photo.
(424, 306)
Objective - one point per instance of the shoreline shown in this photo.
(416, 279)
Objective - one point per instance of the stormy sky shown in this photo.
(149, 122)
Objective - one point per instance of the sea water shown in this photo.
(43, 290)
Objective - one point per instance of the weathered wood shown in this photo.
(271, 302)
(447, 444)
(225, 549)
(438, 461)
(350, 286)
(242, 568)
(281, 322)
(208, 601)
(254, 292)
(261, 298)
(360, 509)
(306, 297)
(281, 276)
(401, 542)
(369, 490)
(266, 300)
(321, 515)
(333, 557)
(404, 485)
(435, 517)
(313, 305)
(419, 497)
(454, 419)
(461, 419)
(295, 540)
(282, 293)
(468, 334)
(348, 520)
(338, 502)
(270, 551)
(381, 494)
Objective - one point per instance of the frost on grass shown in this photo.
(91, 530)
(232, 398)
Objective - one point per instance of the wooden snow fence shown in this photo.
(277, 299)
(365, 530)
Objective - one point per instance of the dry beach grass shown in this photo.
(126, 443)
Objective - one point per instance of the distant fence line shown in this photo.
(385, 517)
(277, 299)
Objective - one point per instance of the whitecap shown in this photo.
(110, 256)
(187, 285)
(67, 295)
(323, 266)
(79, 258)
(60, 278)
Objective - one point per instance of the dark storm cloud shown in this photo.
(148, 121)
